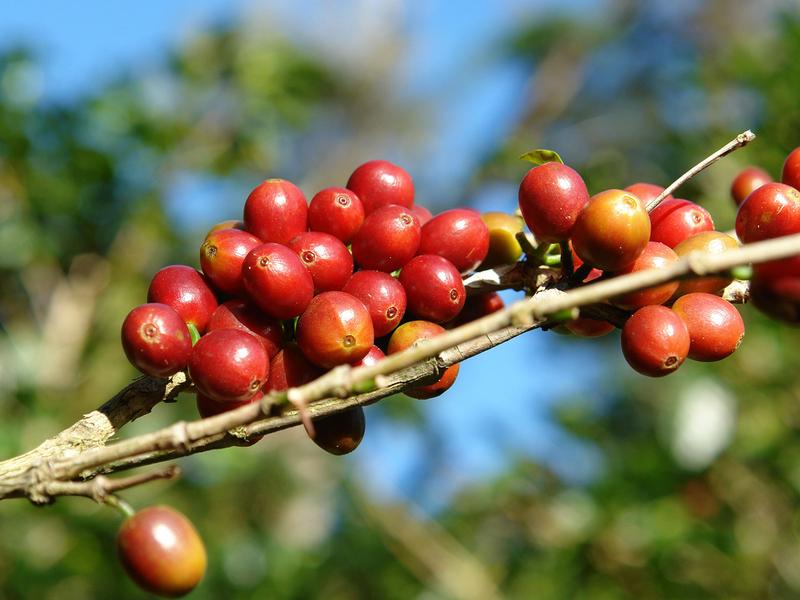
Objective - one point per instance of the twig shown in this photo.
(740, 141)
(423, 361)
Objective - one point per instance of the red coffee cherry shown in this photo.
(655, 341)
(775, 289)
(340, 433)
(417, 332)
(434, 289)
(647, 192)
(290, 368)
(612, 231)
(551, 196)
(459, 235)
(374, 355)
(747, 181)
(335, 329)
(771, 211)
(277, 281)
(715, 326)
(238, 314)
(588, 328)
(383, 295)
(184, 290)
(709, 242)
(675, 220)
(228, 365)
(655, 256)
(222, 255)
(380, 183)
(790, 174)
(387, 240)
(156, 340)
(337, 211)
(276, 211)
(326, 258)
(161, 551)
(423, 214)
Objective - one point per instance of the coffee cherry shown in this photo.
(290, 368)
(504, 249)
(588, 328)
(655, 341)
(372, 357)
(335, 329)
(775, 289)
(229, 224)
(790, 174)
(326, 258)
(646, 192)
(771, 211)
(423, 214)
(228, 365)
(715, 326)
(434, 289)
(459, 235)
(416, 332)
(337, 211)
(655, 256)
(612, 231)
(156, 340)
(238, 314)
(276, 211)
(747, 181)
(709, 242)
(551, 196)
(340, 433)
(387, 240)
(161, 551)
(384, 297)
(380, 183)
(184, 290)
(675, 220)
(222, 255)
(277, 281)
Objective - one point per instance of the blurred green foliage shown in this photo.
(696, 490)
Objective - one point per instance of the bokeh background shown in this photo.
(550, 470)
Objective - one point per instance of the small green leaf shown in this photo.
(743, 272)
(541, 156)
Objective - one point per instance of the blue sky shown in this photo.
(498, 407)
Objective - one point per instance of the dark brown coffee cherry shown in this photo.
(156, 340)
(340, 433)
(655, 341)
(276, 211)
(161, 551)
(186, 291)
(229, 365)
(335, 329)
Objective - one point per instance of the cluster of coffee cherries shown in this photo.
(296, 288)
(612, 233)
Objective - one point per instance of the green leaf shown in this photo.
(541, 156)
(193, 332)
